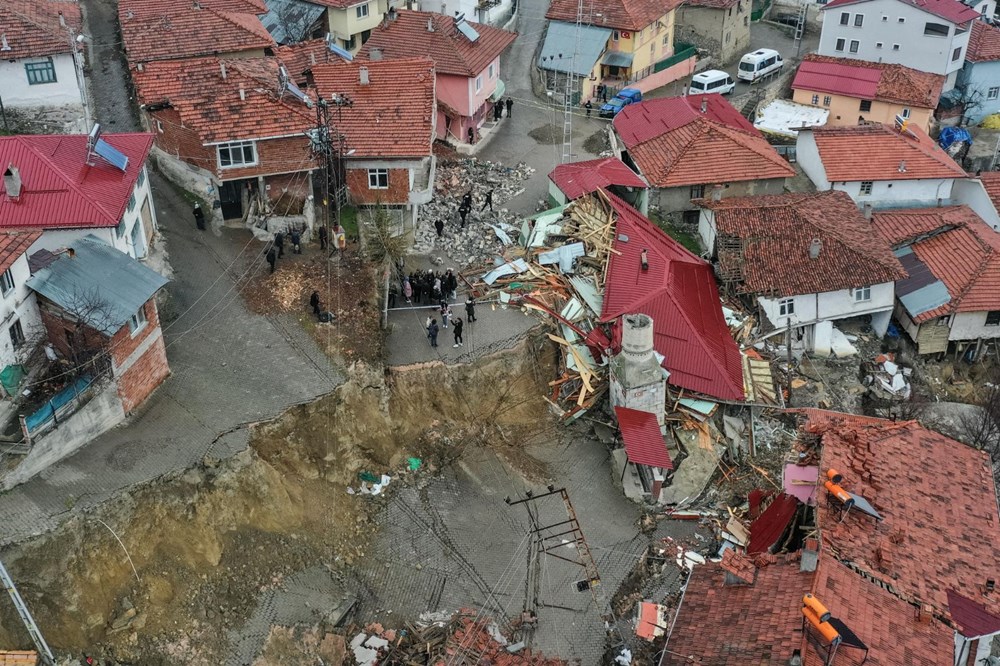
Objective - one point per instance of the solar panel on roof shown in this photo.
(467, 30)
(111, 155)
(346, 55)
(861, 504)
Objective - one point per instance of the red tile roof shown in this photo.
(712, 4)
(886, 624)
(940, 529)
(579, 178)
(876, 152)
(643, 441)
(211, 105)
(984, 43)
(739, 565)
(964, 253)
(60, 190)
(739, 625)
(767, 529)
(451, 51)
(382, 122)
(949, 10)
(991, 182)
(775, 233)
(13, 244)
(674, 144)
(167, 30)
(883, 82)
(619, 14)
(31, 28)
(679, 293)
(144, 8)
(301, 57)
(973, 619)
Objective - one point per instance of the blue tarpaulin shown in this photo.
(58, 401)
(950, 135)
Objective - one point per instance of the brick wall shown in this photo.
(294, 187)
(148, 372)
(397, 193)
(58, 325)
(179, 141)
(122, 342)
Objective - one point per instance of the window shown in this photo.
(854, 45)
(237, 154)
(982, 11)
(479, 83)
(815, 99)
(935, 29)
(615, 35)
(159, 127)
(142, 177)
(956, 54)
(878, 45)
(993, 93)
(859, 20)
(845, 18)
(942, 321)
(885, 19)
(786, 307)
(862, 294)
(349, 43)
(40, 72)
(746, 21)
(697, 191)
(137, 322)
(362, 11)
(378, 179)
(993, 318)
(666, 39)
(120, 229)
(827, 100)
(493, 71)
(866, 186)
(901, 19)
(839, 46)
(131, 203)
(16, 334)
(6, 282)
(905, 113)
(895, 47)
(866, 105)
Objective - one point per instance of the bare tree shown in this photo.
(88, 323)
(981, 428)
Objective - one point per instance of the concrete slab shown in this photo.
(695, 470)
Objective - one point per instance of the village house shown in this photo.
(950, 299)
(878, 165)
(492, 12)
(576, 179)
(294, 21)
(807, 260)
(93, 299)
(856, 90)
(386, 138)
(978, 84)
(622, 43)
(20, 325)
(232, 131)
(466, 63)
(695, 146)
(928, 35)
(872, 584)
(155, 30)
(351, 22)
(721, 27)
(66, 187)
(41, 67)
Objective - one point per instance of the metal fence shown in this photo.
(760, 8)
(58, 408)
(682, 51)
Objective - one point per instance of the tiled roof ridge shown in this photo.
(70, 183)
(228, 16)
(836, 231)
(50, 29)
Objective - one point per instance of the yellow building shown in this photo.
(350, 22)
(856, 91)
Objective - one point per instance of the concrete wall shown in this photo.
(807, 155)
(831, 305)
(19, 305)
(915, 49)
(723, 32)
(972, 326)
(344, 23)
(19, 94)
(494, 16)
(103, 412)
(972, 193)
(845, 110)
(977, 79)
(676, 199)
(900, 193)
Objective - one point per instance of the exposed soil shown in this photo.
(547, 135)
(206, 543)
(598, 142)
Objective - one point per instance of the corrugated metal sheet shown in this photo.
(838, 79)
(768, 528)
(579, 178)
(617, 59)
(973, 618)
(644, 444)
(98, 273)
(561, 40)
(289, 21)
(920, 291)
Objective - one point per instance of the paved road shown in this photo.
(230, 368)
(107, 77)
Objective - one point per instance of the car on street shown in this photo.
(627, 96)
(711, 81)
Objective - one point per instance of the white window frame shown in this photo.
(376, 177)
(859, 20)
(895, 47)
(18, 340)
(361, 11)
(138, 321)
(863, 294)
(866, 187)
(234, 146)
(493, 71)
(786, 307)
(7, 282)
(815, 100)
(854, 46)
(878, 45)
(827, 100)
(479, 83)
(993, 92)
(40, 72)
(840, 45)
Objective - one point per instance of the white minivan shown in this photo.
(711, 81)
(759, 63)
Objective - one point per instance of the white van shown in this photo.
(759, 63)
(711, 81)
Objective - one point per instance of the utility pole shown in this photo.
(567, 151)
(44, 653)
(321, 148)
(788, 359)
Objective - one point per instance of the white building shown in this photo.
(929, 35)
(877, 165)
(492, 12)
(20, 323)
(40, 61)
(807, 260)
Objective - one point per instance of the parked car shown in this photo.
(711, 81)
(627, 96)
(759, 63)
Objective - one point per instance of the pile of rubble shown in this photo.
(486, 232)
(886, 379)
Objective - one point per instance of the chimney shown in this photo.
(243, 94)
(222, 68)
(312, 58)
(62, 20)
(430, 24)
(717, 192)
(363, 73)
(704, 104)
(4, 46)
(637, 336)
(444, 7)
(139, 66)
(814, 248)
(868, 211)
(924, 613)
(130, 15)
(644, 259)
(902, 166)
(991, 585)
(12, 183)
(195, 4)
(375, 53)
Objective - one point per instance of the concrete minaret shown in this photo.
(637, 380)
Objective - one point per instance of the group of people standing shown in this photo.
(457, 324)
(464, 209)
(430, 287)
(498, 108)
(276, 248)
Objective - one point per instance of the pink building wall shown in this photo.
(459, 93)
